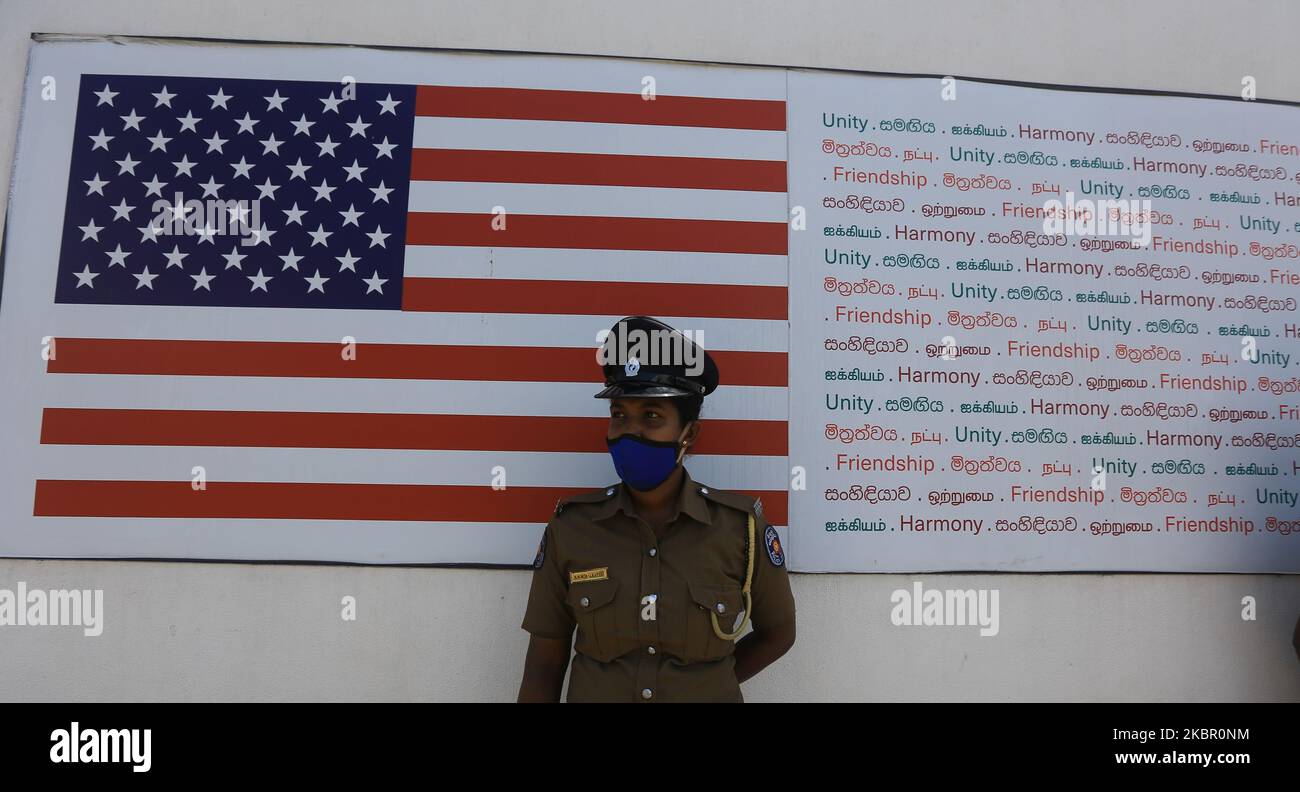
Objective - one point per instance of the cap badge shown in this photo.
(632, 367)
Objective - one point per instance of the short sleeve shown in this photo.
(770, 593)
(546, 615)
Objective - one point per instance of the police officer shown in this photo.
(655, 570)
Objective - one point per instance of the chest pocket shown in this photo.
(594, 609)
(722, 599)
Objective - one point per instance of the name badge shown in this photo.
(589, 574)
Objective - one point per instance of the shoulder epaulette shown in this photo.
(736, 500)
(586, 496)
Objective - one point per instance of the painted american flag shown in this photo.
(465, 241)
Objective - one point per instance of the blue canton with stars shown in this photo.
(254, 193)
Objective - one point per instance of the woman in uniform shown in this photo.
(654, 571)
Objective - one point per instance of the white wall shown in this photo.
(239, 631)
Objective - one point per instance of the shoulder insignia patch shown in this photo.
(541, 552)
(773, 542)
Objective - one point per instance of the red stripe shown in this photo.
(625, 170)
(265, 429)
(501, 295)
(595, 233)
(538, 104)
(311, 501)
(372, 361)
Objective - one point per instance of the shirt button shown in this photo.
(609, 491)
(704, 490)
(646, 693)
(651, 650)
(585, 601)
(722, 608)
(653, 552)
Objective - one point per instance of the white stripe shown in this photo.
(409, 67)
(379, 466)
(582, 137)
(448, 261)
(357, 541)
(386, 327)
(597, 201)
(395, 396)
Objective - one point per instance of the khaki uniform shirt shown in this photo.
(598, 562)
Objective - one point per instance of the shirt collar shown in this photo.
(689, 500)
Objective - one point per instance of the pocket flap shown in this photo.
(723, 599)
(589, 595)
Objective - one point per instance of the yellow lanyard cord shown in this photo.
(749, 576)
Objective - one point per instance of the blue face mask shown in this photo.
(644, 464)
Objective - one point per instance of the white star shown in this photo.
(145, 279)
(331, 104)
(259, 281)
(201, 280)
(189, 122)
(298, 171)
(96, 185)
(154, 187)
(127, 165)
(295, 214)
(183, 165)
(354, 171)
(375, 283)
(149, 233)
(377, 237)
(351, 216)
(291, 261)
(275, 101)
(385, 148)
(179, 209)
(272, 146)
(90, 231)
(347, 260)
(164, 98)
(220, 98)
(122, 211)
(245, 124)
(327, 144)
(358, 128)
(388, 105)
(302, 126)
(238, 211)
(105, 96)
(241, 168)
(319, 236)
(317, 283)
(86, 277)
(206, 234)
(381, 192)
(323, 190)
(210, 188)
(101, 140)
(175, 258)
(233, 258)
(262, 234)
(215, 143)
(158, 141)
(267, 190)
(132, 121)
(117, 256)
